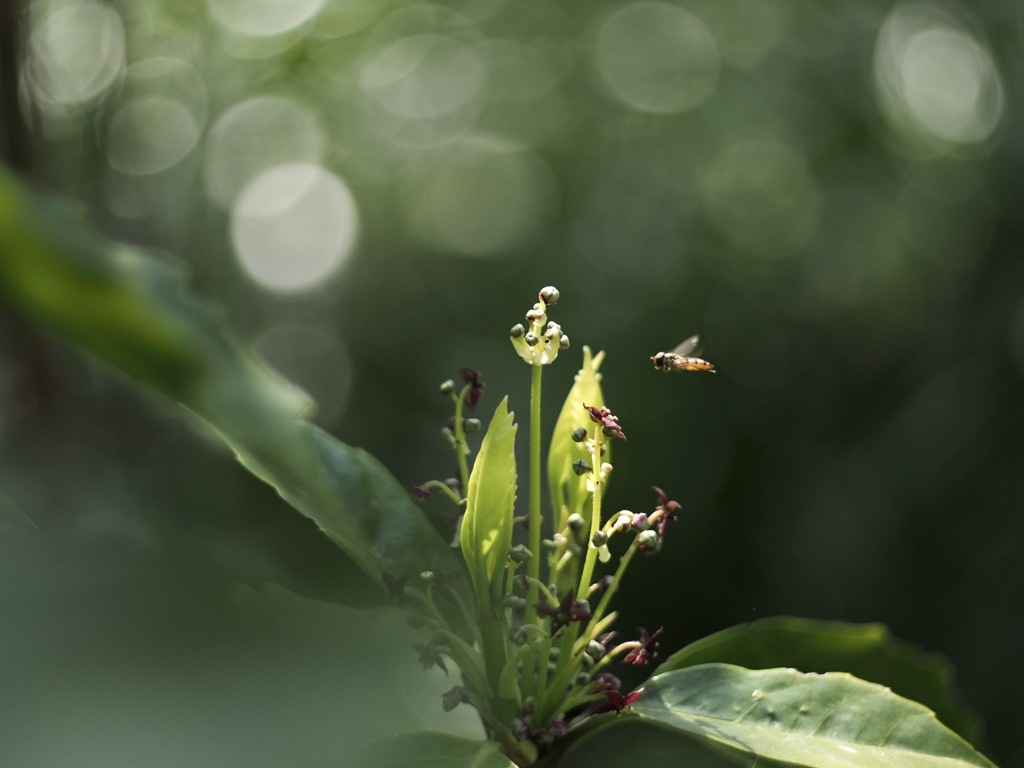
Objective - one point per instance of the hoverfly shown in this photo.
(679, 358)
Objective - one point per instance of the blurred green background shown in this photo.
(828, 193)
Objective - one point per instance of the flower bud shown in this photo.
(579, 435)
(599, 539)
(549, 295)
(576, 522)
(520, 554)
(563, 343)
(447, 387)
(452, 699)
(518, 635)
(517, 331)
(520, 584)
(648, 541)
(531, 339)
(472, 426)
(581, 467)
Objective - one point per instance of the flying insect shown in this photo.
(679, 359)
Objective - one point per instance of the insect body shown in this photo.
(679, 358)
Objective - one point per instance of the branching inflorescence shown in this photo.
(535, 647)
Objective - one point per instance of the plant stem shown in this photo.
(460, 441)
(535, 516)
(533, 566)
(595, 517)
(606, 598)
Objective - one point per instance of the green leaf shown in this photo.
(819, 721)
(486, 533)
(568, 490)
(430, 750)
(133, 309)
(867, 651)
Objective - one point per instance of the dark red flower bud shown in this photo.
(476, 386)
(608, 422)
(646, 647)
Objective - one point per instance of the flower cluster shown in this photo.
(534, 648)
(540, 341)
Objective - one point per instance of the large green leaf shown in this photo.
(867, 651)
(430, 750)
(821, 721)
(134, 310)
(486, 533)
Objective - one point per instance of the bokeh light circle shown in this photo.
(763, 198)
(74, 54)
(656, 57)
(424, 76)
(293, 226)
(486, 197)
(935, 80)
(150, 134)
(263, 18)
(255, 135)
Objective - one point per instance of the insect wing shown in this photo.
(686, 348)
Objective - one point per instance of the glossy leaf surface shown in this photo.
(820, 721)
(867, 651)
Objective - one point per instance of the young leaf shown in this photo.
(134, 310)
(486, 534)
(569, 490)
(819, 721)
(867, 651)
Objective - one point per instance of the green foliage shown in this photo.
(135, 311)
(486, 533)
(868, 651)
(539, 673)
(569, 493)
(832, 720)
